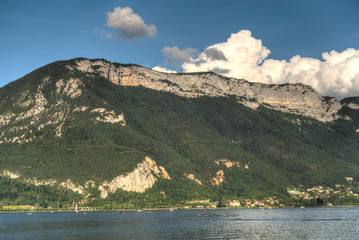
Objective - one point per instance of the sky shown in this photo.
(315, 42)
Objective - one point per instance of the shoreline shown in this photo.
(163, 209)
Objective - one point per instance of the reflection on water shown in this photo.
(308, 223)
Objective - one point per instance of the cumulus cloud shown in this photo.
(242, 56)
(214, 54)
(176, 56)
(162, 69)
(128, 25)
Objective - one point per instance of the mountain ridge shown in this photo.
(293, 98)
(86, 132)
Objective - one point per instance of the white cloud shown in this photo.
(162, 69)
(128, 25)
(243, 56)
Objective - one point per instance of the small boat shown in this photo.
(76, 209)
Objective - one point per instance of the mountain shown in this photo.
(103, 128)
(292, 98)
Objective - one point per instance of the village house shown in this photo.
(233, 203)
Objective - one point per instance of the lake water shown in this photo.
(293, 223)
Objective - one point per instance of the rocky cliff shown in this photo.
(140, 179)
(291, 98)
(144, 176)
(31, 110)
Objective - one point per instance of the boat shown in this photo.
(76, 209)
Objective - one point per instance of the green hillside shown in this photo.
(184, 135)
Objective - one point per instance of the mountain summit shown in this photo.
(292, 98)
(98, 127)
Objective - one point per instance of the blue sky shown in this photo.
(35, 33)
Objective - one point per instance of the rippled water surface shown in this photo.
(307, 223)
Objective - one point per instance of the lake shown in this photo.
(289, 223)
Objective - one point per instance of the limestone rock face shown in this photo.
(291, 98)
(144, 176)
(32, 110)
(140, 179)
(68, 184)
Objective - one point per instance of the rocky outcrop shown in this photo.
(227, 163)
(219, 175)
(140, 179)
(32, 110)
(71, 88)
(218, 178)
(109, 116)
(353, 106)
(191, 176)
(144, 176)
(9, 174)
(351, 102)
(292, 98)
(68, 184)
